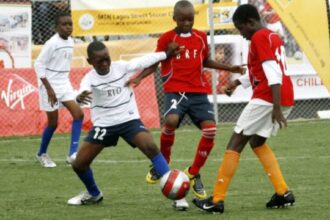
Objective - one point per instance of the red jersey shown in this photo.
(184, 72)
(267, 45)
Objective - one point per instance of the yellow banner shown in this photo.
(100, 21)
(308, 23)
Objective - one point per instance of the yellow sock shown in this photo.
(225, 174)
(270, 164)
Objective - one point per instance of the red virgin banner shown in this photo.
(19, 103)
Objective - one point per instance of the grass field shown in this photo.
(29, 191)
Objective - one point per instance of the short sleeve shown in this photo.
(85, 84)
(162, 43)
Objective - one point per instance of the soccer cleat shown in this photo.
(152, 176)
(71, 158)
(85, 198)
(180, 205)
(45, 160)
(278, 201)
(197, 185)
(207, 205)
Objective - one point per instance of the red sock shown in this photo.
(205, 146)
(166, 142)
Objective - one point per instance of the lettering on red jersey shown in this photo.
(184, 72)
(267, 45)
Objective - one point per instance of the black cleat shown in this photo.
(208, 206)
(197, 185)
(152, 176)
(281, 201)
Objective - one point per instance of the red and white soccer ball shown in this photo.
(175, 184)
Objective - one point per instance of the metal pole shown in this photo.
(213, 72)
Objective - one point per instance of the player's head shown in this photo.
(63, 24)
(219, 55)
(99, 57)
(247, 20)
(184, 15)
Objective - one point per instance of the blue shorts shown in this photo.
(196, 105)
(108, 136)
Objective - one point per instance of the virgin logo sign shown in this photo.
(14, 95)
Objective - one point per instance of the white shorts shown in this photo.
(62, 95)
(257, 119)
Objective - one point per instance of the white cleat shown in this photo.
(85, 198)
(71, 158)
(181, 204)
(45, 160)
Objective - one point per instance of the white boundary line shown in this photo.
(185, 130)
(175, 160)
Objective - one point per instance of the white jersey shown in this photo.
(114, 103)
(54, 62)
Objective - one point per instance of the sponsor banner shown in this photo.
(305, 87)
(110, 17)
(19, 103)
(310, 27)
(15, 35)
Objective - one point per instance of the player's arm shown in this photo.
(149, 63)
(85, 91)
(40, 68)
(209, 63)
(273, 74)
(146, 72)
(243, 80)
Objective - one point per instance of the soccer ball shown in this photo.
(175, 184)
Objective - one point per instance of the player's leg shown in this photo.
(168, 135)
(175, 105)
(175, 108)
(137, 135)
(77, 115)
(226, 171)
(42, 156)
(81, 165)
(243, 130)
(52, 118)
(201, 113)
(144, 141)
(282, 197)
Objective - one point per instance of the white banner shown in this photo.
(306, 82)
(15, 35)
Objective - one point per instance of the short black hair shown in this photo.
(94, 46)
(245, 12)
(60, 15)
(182, 4)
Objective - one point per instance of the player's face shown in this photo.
(101, 61)
(219, 55)
(64, 27)
(184, 18)
(245, 29)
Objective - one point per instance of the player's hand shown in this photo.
(172, 49)
(51, 97)
(229, 88)
(241, 69)
(277, 116)
(84, 97)
(135, 82)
